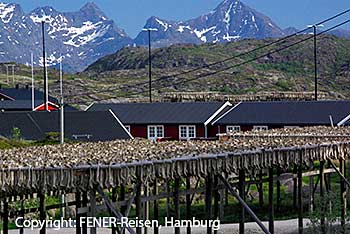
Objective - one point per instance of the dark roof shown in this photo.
(24, 105)
(286, 112)
(25, 94)
(161, 113)
(98, 126)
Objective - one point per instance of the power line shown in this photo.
(281, 40)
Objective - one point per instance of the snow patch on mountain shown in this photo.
(6, 12)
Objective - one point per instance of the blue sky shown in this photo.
(131, 15)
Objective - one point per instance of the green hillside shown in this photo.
(288, 70)
(124, 75)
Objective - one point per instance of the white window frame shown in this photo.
(260, 128)
(187, 132)
(128, 128)
(236, 128)
(155, 131)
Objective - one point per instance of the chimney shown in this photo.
(17, 86)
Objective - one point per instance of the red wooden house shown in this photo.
(247, 116)
(177, 121)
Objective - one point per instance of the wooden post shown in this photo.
(343, 195)
(42, 211)
(188, 204)
(241, 189)
(300, 197)
(261, 189)
(5, 217)
(216, 200)
(311, 194)
(271, 206)
(177, 203)
(323, 227)
(93, 209)
(155, 205)
(167, 188)
(145, 207)
(22, 214)
(122, 198)
(278, 190)
(114, 199)
(85, 204)
(222, 204)
(295, 205)
(208, 201)
(77, 206)
(138, 199)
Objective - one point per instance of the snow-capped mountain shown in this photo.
(79, 37)
(230, 21)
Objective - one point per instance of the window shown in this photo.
(155, 132)
(290, 127)
(187, 132)
(233, 129)
(127, 127)
(260, 128)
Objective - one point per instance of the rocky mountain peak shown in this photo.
(90, 9)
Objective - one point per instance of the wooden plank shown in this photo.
(295, 180)
(138, 199)
(42, 211)
(5, 217)
(112, 210)
(241, 201)
(146, 207)
(343, 195)
(208, 201)
(155, 206)
(77, 206)
(177, 203)
(216, 201)
(188, 204)
(261, 189)
(85, 203)
(278, 190)
(93, 212)
(21, 229)
(300, 198)
(114, 199)
(321, 176)
(168, 192)
(122, 198)
(311, 194)
(241, 189)
(271, 203)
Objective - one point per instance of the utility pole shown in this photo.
(7, 75)
(32, 60)
(63, 198)
(315, 59)
(13, 74)
(62, 104)
(149, 66)
(44, 63)
(150, 60)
